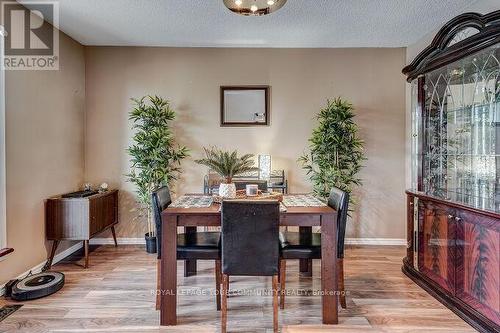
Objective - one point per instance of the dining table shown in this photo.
(304, 217)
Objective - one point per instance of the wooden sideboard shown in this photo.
(454, 254)
(80, 219)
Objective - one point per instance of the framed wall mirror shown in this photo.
(244, 105)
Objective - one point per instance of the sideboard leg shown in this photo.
(114, 235)
(86, 246)
(48, 264)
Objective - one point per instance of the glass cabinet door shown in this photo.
(460, 131)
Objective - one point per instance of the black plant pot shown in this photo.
(150, 243)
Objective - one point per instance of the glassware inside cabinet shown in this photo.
(461, 131)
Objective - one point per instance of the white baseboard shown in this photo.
(120, 241)
(38, 268)
(348, 241)
(375, 241)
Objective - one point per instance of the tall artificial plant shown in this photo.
(335, 154)
(154, 156)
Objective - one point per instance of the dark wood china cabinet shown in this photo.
(453, 206)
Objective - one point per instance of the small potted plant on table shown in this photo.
(227, 165)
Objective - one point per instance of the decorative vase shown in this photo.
(227, 191)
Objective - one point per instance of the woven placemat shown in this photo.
(302, 200)
(241, 195)
(192, 201)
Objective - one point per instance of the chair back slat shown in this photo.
(161, 200)
(250, 237)
(339, 200)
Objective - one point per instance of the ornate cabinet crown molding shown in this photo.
(444, 49)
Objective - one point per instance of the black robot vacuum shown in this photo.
(37, 286)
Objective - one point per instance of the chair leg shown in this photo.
(275, 303)
(340, 269)
(282, 283)
(158, 262)
(225, 288)
(217, 283)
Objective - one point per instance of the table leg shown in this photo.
(158, 286)
(168, 303)
(305, 265)
(329, 272)
(189, 265)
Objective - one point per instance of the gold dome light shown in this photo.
(254, 7)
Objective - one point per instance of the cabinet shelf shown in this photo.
(482, 108)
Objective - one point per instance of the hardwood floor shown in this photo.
(116, 294)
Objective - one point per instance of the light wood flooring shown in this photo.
(116, 294)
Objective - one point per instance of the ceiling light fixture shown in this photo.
(254, 7)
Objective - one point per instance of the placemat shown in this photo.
(192, 201)
(302, 200)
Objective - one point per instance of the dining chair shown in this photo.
(296, 245)
(242, 184)
(199, 245)
(250, 246)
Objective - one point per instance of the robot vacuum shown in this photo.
(37, 285)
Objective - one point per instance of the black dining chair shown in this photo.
(296, 245)
(250, 246)
(242, 184)
(198, 245)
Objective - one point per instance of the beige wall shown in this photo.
(44, 150)
(300, 79)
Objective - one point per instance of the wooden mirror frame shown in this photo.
(224, 123)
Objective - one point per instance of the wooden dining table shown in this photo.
(305, 217)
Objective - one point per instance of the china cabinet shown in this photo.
(453, 206)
